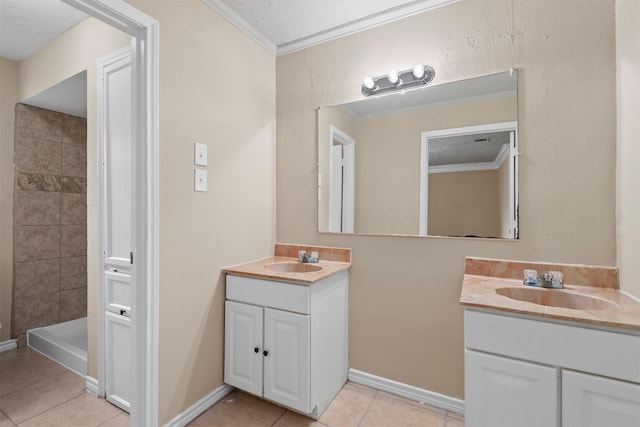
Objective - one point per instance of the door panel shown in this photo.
(118, 290)
(286, 365)
(118, 340)
(243, 336)
(117, 164)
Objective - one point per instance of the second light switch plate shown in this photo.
(201, 180)
(200, 154)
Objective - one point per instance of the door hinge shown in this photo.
(131, 257)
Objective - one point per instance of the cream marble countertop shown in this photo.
(479, 290)
(260, 270)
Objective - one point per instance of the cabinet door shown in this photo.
(118, 360)
(287, 361)
(592, 401)
(505, 392)
(243, 347)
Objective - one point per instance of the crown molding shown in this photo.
(365, 23)
(362, 24)
(244, 26)
(473, 167)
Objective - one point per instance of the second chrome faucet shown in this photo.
(312, 257)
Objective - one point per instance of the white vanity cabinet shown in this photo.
(287, 342)
(520, 371)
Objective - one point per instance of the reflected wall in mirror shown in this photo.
(372, 157)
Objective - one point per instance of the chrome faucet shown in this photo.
(552, 280)
(312, 258)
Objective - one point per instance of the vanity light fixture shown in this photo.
(394, 80)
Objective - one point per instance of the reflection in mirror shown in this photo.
(373, 155)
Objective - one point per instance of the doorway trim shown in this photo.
(144, 32)
(348, 179)
(468, 130)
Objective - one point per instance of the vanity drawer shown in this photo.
(267, 293)
(601, 352)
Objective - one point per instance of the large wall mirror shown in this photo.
(438, 161)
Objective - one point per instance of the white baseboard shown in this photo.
(8, 345)
(91, 385)
(407, 391)
(191, 413)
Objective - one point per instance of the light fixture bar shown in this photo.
(403, 80)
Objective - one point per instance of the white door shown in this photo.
(115, 142)
(243, 352)
(342, 181)
(502, 392)
(592, 401)
(286, 358)
(337, 166)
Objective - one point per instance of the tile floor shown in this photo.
(35, 391)
(355, 405)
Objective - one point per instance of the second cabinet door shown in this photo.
(287, 358)
(592, 401)
(243, 347)
(503, 392)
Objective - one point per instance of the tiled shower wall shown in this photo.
(50, 219)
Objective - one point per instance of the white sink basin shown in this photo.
(293, 267)
(557, 298)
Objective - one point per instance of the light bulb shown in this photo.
(393, 76)
(418, 71)
(368, 83)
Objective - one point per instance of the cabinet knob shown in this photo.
(265, 353)
(256, 350)
(123, 312)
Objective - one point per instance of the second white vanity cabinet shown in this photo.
(287, 342)
(521, 371)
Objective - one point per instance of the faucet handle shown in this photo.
(556, 277)
(302, 256)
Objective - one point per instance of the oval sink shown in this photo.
(557, 298)
(293, 267)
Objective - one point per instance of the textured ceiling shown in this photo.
(28, 25)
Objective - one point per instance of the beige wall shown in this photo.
(8, 100)
(628, 87)
(464, 203)
(405, 319)
(217, 87)
(74, 51)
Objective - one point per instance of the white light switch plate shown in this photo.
(200, 154)
(201, 180)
